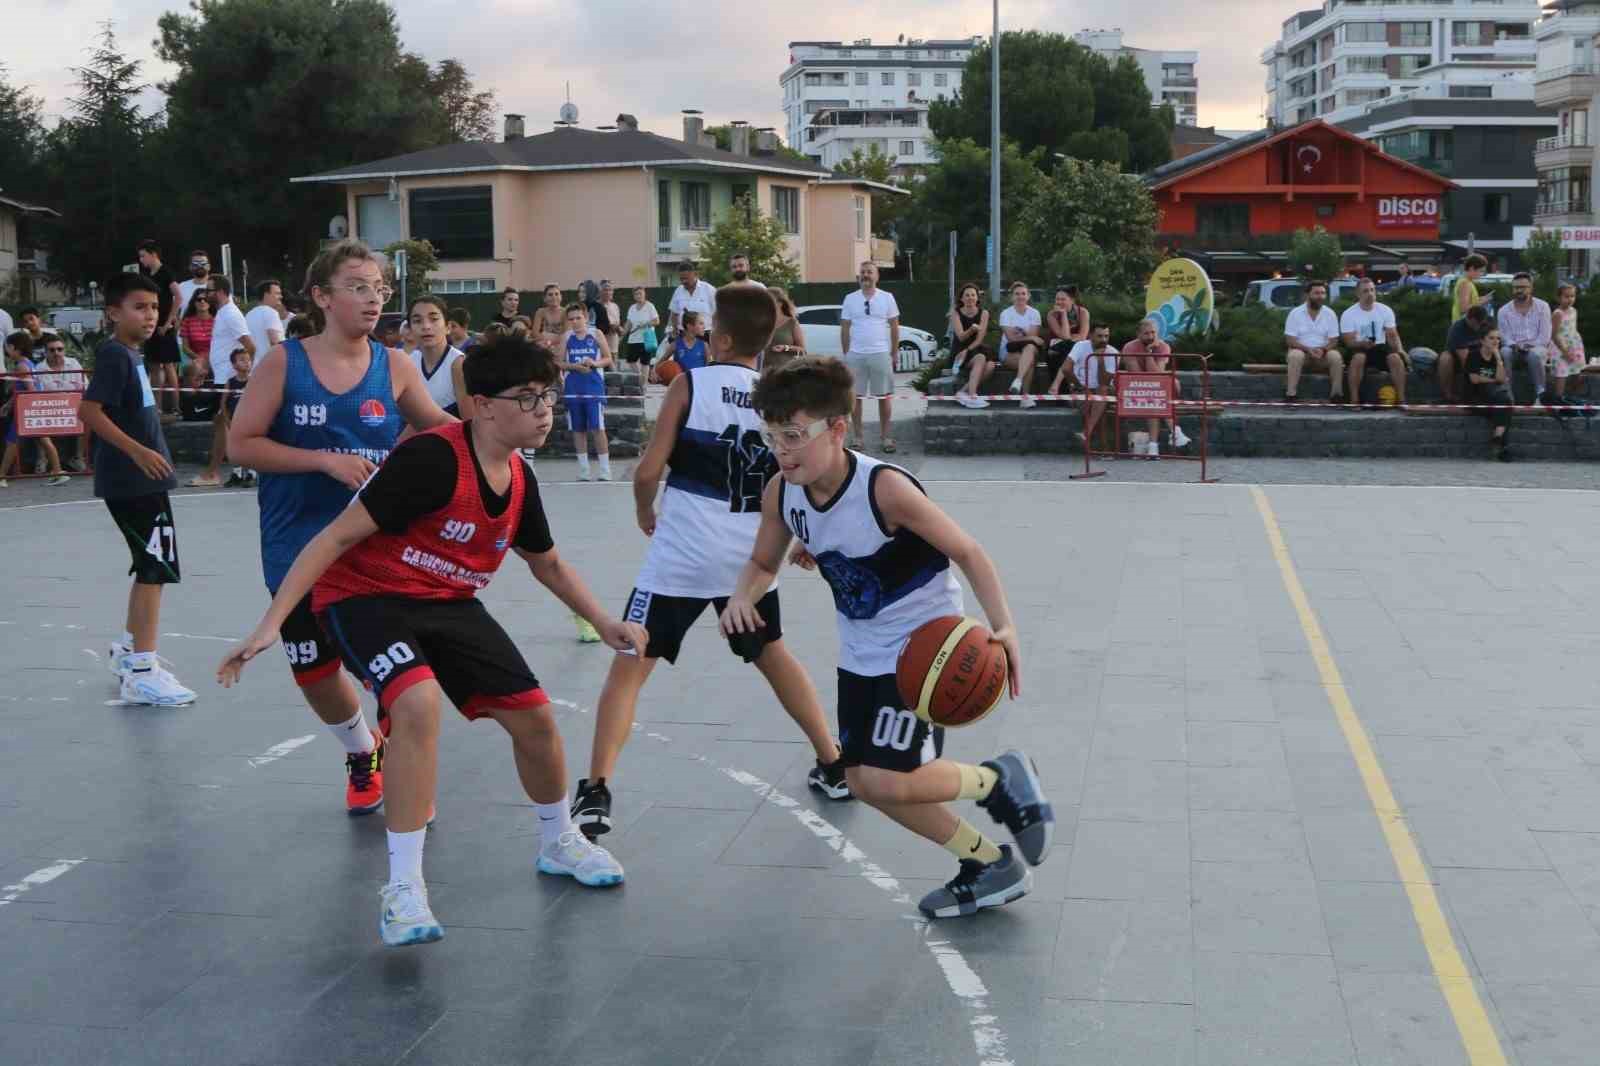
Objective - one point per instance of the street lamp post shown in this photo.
(994, 154)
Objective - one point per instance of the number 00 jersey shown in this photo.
(711, 509)
(884, 586)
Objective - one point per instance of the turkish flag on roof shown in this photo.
(1309, 164)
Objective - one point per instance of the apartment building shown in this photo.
(1567, 80)
(1170, 76)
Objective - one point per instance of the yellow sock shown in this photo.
(968, 843)
(976, 781)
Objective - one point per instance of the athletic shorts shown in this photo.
(668, 618)
(585, 413)
(163, 348)
(312, 655)
(146, 524)
(1018, 346)
(876, 728)
(636, 353)
(873, 373)
(394, 643)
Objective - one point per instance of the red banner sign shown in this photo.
(1398, 211)
(48, 414)
(1144, 395)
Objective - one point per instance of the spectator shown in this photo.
(1465, 292)
(1147, 354)
(1369, 331)
(1094, 364)
(969, 332)
(788, 339)
(549, 320)
(1065, 325)
(228, 333)
(161, 353)
(595, 309)
(869, 334)
(195, 330)
(242, 365)
(33, 322)
(643, 320)
(1525, 328)
(408, 337)
(1459, 347)
(608, 304)
(458, 328)
(435, 357)
(1020, 342)
(7, 327)
(60, 372)
(1569, 357)
(1405, 280)
(510, 301)
(19, 349)
(389, 333)
(212, 477)
(198, 401)
(692, 294)
(300, 327)
(1312, 334)
(739, 270)
(522, 326)
(495, 329)
(265, 320)
(199, 277)
(1490, 383)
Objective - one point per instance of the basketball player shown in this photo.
(394, 581)
(586, 356)
(319, 416)
(885, 550)
(435, 357)
(709, 435)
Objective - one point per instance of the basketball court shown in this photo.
(1326, 763)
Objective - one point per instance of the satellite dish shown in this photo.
(338, 227)
(569, 113)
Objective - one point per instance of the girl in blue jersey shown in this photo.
(316, 420)
(585, 357)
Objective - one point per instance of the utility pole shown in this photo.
(994, 154)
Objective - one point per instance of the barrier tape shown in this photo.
(1110, 400)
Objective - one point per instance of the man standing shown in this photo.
(692, 294)
(265, 320)
(1312, 334)
(161, 354)
(739, 267)
(869, 334)
(1525, 334)
(199, 275)
(1369, 331)
(229, 331)
(510, 300)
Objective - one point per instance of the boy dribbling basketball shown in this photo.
(885, 550)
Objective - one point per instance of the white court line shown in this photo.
(37, 878)
(278, 751)
(97, 500)
(988, 1038)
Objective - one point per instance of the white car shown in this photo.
(820, 324)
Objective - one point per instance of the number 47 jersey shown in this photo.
(711, 508)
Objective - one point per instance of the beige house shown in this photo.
(19, 280)
(625, 205)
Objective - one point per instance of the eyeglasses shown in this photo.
(532, 401)
(364, 292)
(793, 438)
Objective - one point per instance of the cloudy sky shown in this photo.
(528, 50)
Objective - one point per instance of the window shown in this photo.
(378, 220)
(458, 221)
(1327, 77)
(1497, 207)
(786, 207)
(1471, 33)
(913, 54)
(940, 80)
(913, 78)
(663, 211)
(888, 77)
(1223, 221)
(1365, 33)
(819, 316)
(1329, 103)
(742, 190)
(813, 79)
(696, 197)
(887, 102)
(861, 217)
(885, 53)
(908, 148)
(1365, 65)
(845, 53)
(1364, 96)
(861, 104)
(1471, 92)
(861, 77)
(1414, 34)
(1408, 65)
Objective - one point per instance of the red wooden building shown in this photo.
(1235, 205)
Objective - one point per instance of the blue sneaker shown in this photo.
(406, 917)
(573, 856)
(978, 886)
(1017, 802)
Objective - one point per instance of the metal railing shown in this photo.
(1555, 144)
(1560, 207)
(1571, 70)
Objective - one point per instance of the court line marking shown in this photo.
(278, 751)
(39, 877)
(1460, 992)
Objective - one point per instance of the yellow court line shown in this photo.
(1455, 981)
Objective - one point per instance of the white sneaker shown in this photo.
(1016, 385)
(964, 398)
(405, 917)
(116, 652)
(1028, 401)
(583, 475)
(154, 688)
(1179, 438)
(1152, 450)
(573, 856)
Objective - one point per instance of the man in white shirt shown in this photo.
(1370, 333)
(228, 331)
(869, 334)
(199, 276)
(692, 294)
(265, 320)
(1525, 333)
(1020, 341)
(1312, 334)
(7, 327)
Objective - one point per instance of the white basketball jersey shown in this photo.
(884, 586)
(711, 508)
(441, 386)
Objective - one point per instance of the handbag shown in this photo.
(648, 339)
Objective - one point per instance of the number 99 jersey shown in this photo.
(711, 508)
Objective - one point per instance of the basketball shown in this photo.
(1387, 396)
(951, 673)
(663, 372)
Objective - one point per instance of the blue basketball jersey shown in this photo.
(689, 356)
(579, 348)
(364, 421)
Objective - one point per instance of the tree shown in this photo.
(22, 133)
(1316, 254)
(1544, 257)
(887, 208)
(1051, 89)
(1088, 224)
(745, 228)
(421, 262)
(954, 195)
(468, 112)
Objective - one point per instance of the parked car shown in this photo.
(75, 320)
(1282, 293)
(1485, 282)
(820, 324)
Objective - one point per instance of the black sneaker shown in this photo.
(828, 779)
(1290, 397)
(1017, 802)
(978, 886)
(233, 482)
(1503, 453)
(591, 808)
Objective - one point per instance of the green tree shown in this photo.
(745, 228)
(1052, 88)
(22, 133)
(468, 111)
(954, 195)
(1315, 254)
(1544, 257)
(421, 262)
(887, 208)
(1089, 224)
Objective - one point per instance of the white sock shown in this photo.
(141, 661)
(127, 638)
(605, 465)
(554, 820)
(583, 464)
(355, 735)
(405, 856)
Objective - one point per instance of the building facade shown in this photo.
(1332, 61)
(1170, 76)
(1567, 80)
(880, 91)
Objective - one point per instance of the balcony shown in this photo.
(1168, 82)
(1563, 212)
(1562, 151)
(1560, 85)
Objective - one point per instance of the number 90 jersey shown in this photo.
(711, 509)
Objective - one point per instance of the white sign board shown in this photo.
(1571, 236)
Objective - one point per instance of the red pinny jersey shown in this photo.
(447, 555)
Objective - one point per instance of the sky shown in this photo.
(528, 51)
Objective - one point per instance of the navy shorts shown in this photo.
(876, 729)
(586, 413)
(667, 619)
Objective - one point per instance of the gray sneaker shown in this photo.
(978, 886)
(1017, 802)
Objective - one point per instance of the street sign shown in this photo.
(48, 414)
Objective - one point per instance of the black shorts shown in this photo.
(636, 353)
(146, 524)
(312, 655)
(876, 728)
(1377, 357)
(1018, 346)
(965, 358)
(394, 643)
(668, 618)
(163, 348)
